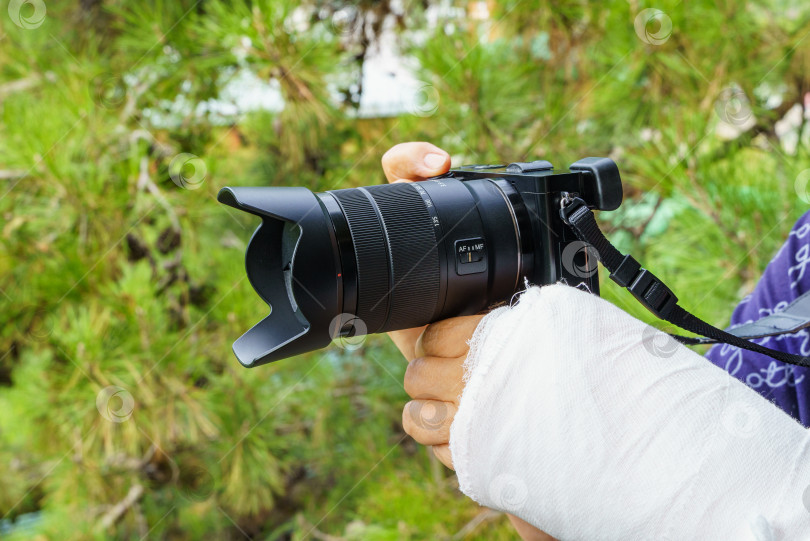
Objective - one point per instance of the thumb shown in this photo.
(414, 161)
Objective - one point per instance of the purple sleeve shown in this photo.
(785, 278)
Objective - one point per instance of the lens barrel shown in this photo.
(378, 258)
(396, 254)
(413, 253)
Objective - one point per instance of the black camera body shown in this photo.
(387, 257)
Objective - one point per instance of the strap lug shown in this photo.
(569, 206)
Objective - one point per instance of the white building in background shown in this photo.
(390, 87)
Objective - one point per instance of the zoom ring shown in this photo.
(414, 255)
(398, 275)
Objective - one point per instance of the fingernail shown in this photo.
(434, 160)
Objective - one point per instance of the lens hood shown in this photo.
(304, 298)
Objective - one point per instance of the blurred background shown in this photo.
(123, 413)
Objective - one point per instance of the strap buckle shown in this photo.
(646, 287)
(654, 294)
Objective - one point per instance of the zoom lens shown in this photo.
(377, 258)
(394, 254)
(423, 251)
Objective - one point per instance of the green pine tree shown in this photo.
(123, 414)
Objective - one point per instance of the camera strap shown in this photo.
(651, 292)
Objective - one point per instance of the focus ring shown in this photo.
(414, 255)
(372, 257)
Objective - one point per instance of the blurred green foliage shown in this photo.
(111, 274)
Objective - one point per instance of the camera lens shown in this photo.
(413, 253)
(378, 258)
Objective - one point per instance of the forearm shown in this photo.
(784, 280)
(587, 435)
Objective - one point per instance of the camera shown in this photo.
(380, 258)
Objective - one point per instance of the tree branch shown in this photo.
(117, 511)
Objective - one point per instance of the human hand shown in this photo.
(436, 353)
(435, 381)
(435, 389)
(408, 162)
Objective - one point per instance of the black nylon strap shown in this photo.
(795, 317)
(650, 291)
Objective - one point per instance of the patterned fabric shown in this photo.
(785, 278)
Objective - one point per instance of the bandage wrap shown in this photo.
(592, 425)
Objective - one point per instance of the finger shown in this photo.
(442, 452)
(405, 340)
(447, 338)
(428, 421)
(414, 161)
(528, 532)
(438, 378)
